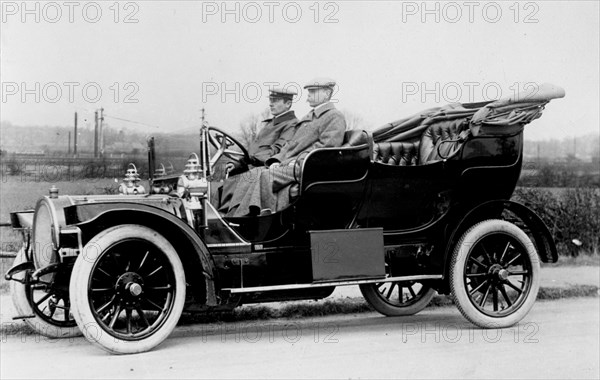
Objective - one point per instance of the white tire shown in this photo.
(127, 289)
(494, 274)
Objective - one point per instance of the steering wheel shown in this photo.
(223, 143)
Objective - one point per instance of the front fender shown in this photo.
(92, 218)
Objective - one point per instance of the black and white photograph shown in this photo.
(300, 189)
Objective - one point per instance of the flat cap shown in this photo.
(282, 92)
(320, 82)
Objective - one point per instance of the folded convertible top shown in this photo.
(503, 116)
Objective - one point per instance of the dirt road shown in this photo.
(558, 339)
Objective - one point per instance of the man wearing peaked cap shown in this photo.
(322, 127)
(283, 93)
(275, 131)
(272, 136)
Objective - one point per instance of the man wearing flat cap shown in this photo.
(322, 127)
(272, 136)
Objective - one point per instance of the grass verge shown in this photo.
(584, 260)
(572, 291)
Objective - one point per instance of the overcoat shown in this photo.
(274, 134)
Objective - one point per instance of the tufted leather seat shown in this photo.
(396, 153)
(439, 141)
(441, 138)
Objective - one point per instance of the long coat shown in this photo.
(274, 134)
(268, 187)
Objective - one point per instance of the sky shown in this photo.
(158, 63)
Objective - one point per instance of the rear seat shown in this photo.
(396, 153)
(440, 140)
(400, 153)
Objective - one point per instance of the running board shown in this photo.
(333, 283)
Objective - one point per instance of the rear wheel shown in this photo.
(494, 274)
(44, 305)
(127, 289)
(397, 298)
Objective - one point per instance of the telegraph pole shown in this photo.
(101, 132)
(69, 146)
(95, 134)
(75, 137)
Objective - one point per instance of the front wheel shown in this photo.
(397, 298)
(494, 274)
(127, 289)
(44, 306)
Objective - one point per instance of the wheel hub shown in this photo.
(130, 286)
(498, 273)
(502, 274)
(134, 288)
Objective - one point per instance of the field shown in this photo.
(17, 193)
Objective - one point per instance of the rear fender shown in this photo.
(535, 228)
(197, 261)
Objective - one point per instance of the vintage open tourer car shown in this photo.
(418, 206)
